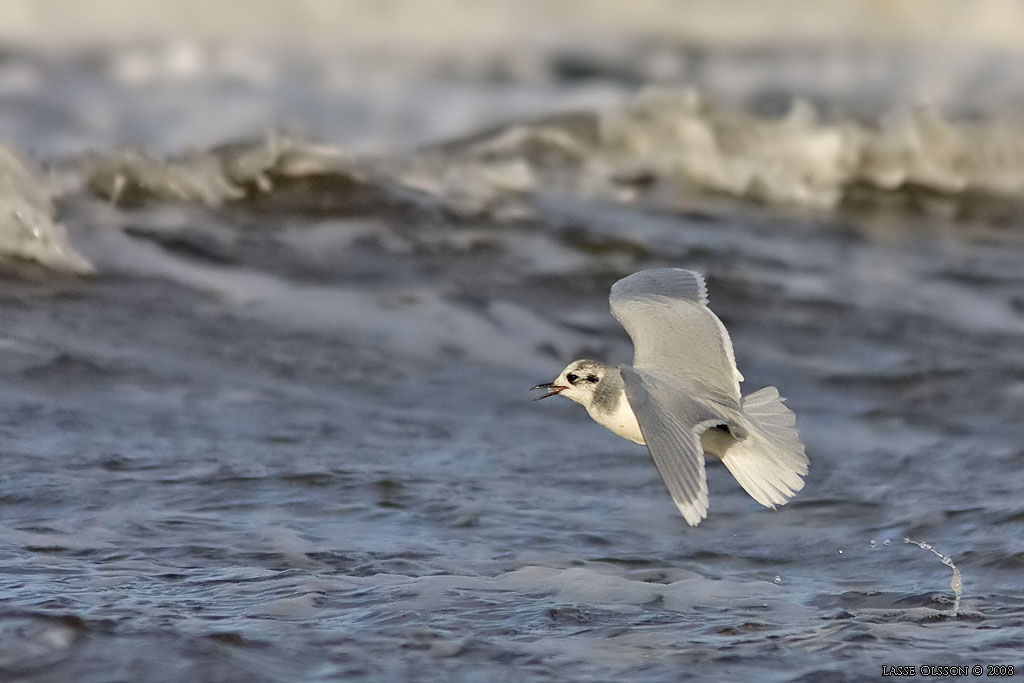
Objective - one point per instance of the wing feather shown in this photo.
(671, 424)
(665, 313)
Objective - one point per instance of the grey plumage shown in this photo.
(609, 393)
(665, 311)
(671, 423)
(683, 382)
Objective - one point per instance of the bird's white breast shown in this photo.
(620, 420)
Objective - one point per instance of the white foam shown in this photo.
(28, 230)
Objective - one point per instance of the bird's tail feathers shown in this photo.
(770, 463)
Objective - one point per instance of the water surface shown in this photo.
(283, 432)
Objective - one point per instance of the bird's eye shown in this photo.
(592, 378)
(572, 377)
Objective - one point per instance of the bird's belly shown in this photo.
(716, 441)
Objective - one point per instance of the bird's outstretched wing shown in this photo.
(665, 311)
(671, 423)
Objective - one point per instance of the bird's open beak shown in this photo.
(553, 389)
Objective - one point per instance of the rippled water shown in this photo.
(284, 432)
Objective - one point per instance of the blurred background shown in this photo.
(275, 279)
(495, 25)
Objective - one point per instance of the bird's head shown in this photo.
(579, 381)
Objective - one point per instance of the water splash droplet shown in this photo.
(956, 583)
